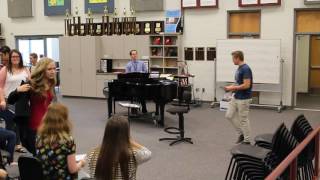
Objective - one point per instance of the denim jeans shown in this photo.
(8, 117)
(8, 141)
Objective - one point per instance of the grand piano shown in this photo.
(134, 86)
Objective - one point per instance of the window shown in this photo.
(244, 24)
(48, 46)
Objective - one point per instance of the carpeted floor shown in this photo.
(212, 134)
(308, 101)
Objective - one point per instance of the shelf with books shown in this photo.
(164, 52)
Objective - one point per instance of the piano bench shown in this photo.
(180, 130)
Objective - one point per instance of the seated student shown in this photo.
(8, 141)
(118, 155)
(55, 147)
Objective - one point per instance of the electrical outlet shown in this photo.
(203, 90)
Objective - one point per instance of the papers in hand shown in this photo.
(227, 96)
(80, 157)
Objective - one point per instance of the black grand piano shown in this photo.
(134, 86)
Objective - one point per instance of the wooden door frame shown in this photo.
(295, 33)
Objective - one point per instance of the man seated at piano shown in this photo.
(136, 65)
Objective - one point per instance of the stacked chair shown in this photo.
(300, 129)
(253, 162)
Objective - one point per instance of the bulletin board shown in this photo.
(56, 7)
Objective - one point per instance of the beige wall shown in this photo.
(202, 28)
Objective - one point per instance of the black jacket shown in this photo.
(21, 100)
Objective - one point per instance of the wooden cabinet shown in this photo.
(101, 79)
(70, 66)
(89, 56)
(78, 58)
(142, 45)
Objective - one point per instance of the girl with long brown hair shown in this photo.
(55, 145)
(118, 156)
(11, 77)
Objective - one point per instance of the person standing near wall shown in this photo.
(33, 61)
(238, 110)
(4, 55)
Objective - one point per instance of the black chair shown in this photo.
(30, 168)
(300, 129)
(252, 162)
(180, 110)
(265, 140)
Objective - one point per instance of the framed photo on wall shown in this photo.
(189, 3)
(56, 7)
(248, 3)
(311, 1)
(97, 6)
(199, 3)
(208, 3)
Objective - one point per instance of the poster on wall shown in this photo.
(173, 21)
(98, 6)
(53, 3)
(97, 1)
(56, 7)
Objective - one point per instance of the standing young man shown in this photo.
(33, 61)
(238, 110)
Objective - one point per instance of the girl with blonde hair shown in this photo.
(55, 145)
(36, 96)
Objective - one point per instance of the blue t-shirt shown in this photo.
(243, 72)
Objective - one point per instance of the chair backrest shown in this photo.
(187, 96)
(300, 129)
(30, 168)
(283, 142)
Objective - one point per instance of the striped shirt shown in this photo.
(139, 156)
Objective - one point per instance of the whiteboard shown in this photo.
(263, 57)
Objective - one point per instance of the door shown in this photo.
(314, 81)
